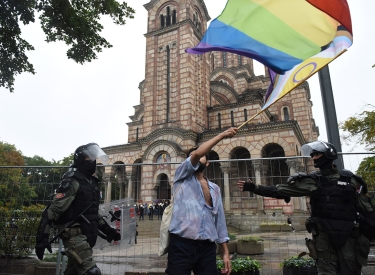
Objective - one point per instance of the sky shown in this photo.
(65, 104)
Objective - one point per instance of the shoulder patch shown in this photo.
(59, 195)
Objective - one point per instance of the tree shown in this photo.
(76, 22)
(67, 161)
(360, 129)
(36, 161)
(366, 170)
(14, 189)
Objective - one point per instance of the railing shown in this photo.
(25, 191)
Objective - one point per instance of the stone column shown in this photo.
(292, 164)
(302, 200)
(258, 167)
(108, 188)
(225, 169)
(130, 185)
(120, 192)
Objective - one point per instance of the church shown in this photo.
(187, 99)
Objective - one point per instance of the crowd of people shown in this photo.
(151, 209)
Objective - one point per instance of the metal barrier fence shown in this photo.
(25, 192)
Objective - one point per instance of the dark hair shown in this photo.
(192, 150)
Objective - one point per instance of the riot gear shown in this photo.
(327, 149)
(42, 236)
(92, 151)
(94, 271)
(74, 212)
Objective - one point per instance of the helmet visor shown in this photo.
(93, 152)
(316, 146)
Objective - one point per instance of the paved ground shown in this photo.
(142, 257)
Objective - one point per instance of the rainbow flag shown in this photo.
(293, 38)
(279, 34)
(285, 83)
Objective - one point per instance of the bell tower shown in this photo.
(175, 92)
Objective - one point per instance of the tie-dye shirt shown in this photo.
(192, 218)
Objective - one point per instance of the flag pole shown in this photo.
(329, 109)
(247, 121)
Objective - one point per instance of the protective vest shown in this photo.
(87, 193)
(334, 204)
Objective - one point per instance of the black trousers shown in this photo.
(185, 255)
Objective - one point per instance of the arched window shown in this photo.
(286, 113)
(245, 114)
(219, 120)
(224, 59)
(162, 25)
(174, 17)
(168, 82)
(196, 21)
(136, 134)
(212, 62)
(168, 23)
(232, 118)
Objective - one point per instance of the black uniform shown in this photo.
(338, 240)
(78, 193)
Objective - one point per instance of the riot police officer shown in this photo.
(74, 208)
(338, 244)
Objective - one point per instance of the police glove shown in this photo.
(41, 246)
(113, 235)
(249, 186)
(287, 199)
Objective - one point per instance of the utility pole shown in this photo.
(330, 117)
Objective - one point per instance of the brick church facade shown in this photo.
(187, 99)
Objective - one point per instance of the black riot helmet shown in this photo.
(92, 151)
(327, 149)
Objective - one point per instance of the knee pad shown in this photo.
(94, 271)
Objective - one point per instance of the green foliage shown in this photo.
(14, 189)
(67, 161)
(361, 129)
(240, 264)
(232, 236)
(297, 261)
(18, 229)
(50, 257)
(366, 170)
(75, 22)
(250, 239)
(36, 161)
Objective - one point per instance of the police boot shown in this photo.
(94, 271)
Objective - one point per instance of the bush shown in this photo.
(232, 236)
(297, 261)
(18, 229)
(50, 257)
(251, 239)
(240, 264)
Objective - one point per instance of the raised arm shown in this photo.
(207, 146)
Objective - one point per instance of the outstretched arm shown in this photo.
(265, 191)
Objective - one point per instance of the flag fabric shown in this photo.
(279, 34)
(293, 38)
(283, 84)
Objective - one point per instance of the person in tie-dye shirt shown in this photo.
(198, 220)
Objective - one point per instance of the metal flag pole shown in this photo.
(330, 117)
